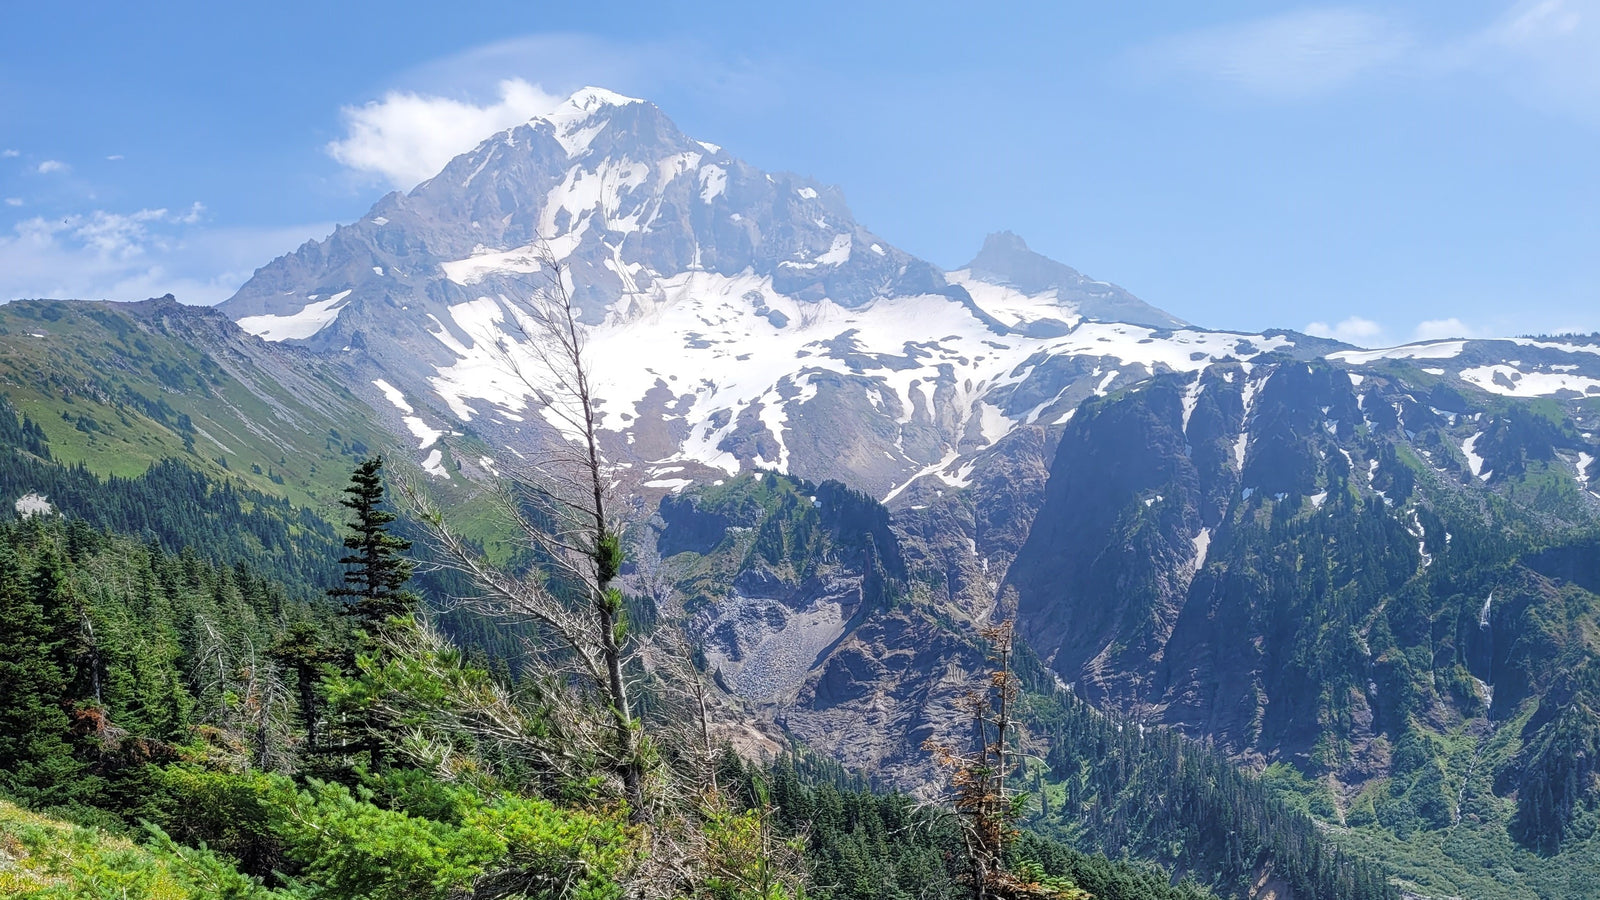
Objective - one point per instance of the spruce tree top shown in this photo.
(375, 582)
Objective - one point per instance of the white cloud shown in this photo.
(1295, 54)
(52, 165)
(131, 256)
(8, 153)
(114, 157)
(1353, 330)
(1439, 329)
(407, 138)
(13, 201)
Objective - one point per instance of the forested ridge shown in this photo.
(1109, 782)
(194, 716)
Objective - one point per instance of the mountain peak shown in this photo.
(1006, 259)
(1002, 242)
(587, 101)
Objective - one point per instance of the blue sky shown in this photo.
(1375, 172)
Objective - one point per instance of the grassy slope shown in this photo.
(42, 857)
(109, 384)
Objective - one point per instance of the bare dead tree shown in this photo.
(558, 500)
(478, 720)
(979, 792)
(243, 694)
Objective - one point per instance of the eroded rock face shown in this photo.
(801, 601)
(892, 683)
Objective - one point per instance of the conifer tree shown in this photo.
(375, 586)
(303, 651)
(375, 583)
(34, 753)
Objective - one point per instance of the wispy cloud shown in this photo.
(1353, 330)
(8, 153)
(408, 137)
(564, 62)
(1546, 52)
(1541, 51)
(139, 254)
(13, 201)
(1292, 55)
(51, 165)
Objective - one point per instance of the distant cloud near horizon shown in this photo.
(1364, 332)
(105, 255)
(1441, 329)
(1353, 330)
(406, 138)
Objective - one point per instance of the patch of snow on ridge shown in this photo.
(1011, 306)
(1202, 545)
(394, 395)
(674, 166)
(312, 318)
(1584, 461)
(420, 428)
(1474, 461)
(1191, 399)
(939, 469)
(481, 371)
(33, 504)
(520, 261)
(1433, 350)
(599, 191)
(713, 182)
(838, 253)
(1512, 382)
(434, 464)
(1242, 443)
(1557, 345)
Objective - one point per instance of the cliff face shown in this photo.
(1332, 567)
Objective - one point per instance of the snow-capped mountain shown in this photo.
(737, 316)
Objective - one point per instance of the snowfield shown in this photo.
(312, 318)
(710, 342)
